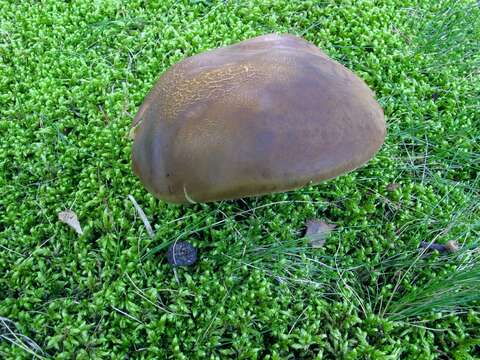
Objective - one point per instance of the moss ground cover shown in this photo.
(72, 75)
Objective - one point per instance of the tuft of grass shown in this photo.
(450, 294)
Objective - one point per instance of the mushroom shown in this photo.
(269, 114)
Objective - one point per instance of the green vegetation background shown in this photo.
(72, 75)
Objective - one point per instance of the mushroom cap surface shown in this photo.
(268, 114)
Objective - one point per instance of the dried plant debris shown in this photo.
(317, 232)
(9, 332)
(142, 215)
(70, 218)
(182, 253)
(450, 246)
(393, 186)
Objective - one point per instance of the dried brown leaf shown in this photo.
(318, 231)
(393, 186)
(70, 218)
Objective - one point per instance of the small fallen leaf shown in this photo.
(317, 232)
(70, 218)
(393, 186)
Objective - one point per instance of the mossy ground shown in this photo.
(72, 75)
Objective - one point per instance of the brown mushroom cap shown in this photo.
(268, 114)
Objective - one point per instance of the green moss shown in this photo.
(73, 76)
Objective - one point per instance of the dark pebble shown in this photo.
(182, 253)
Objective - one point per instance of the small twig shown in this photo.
(142, 215)
(13, 251)
(296, 321)
(125, 314)
(16, 339)
(176, 275)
